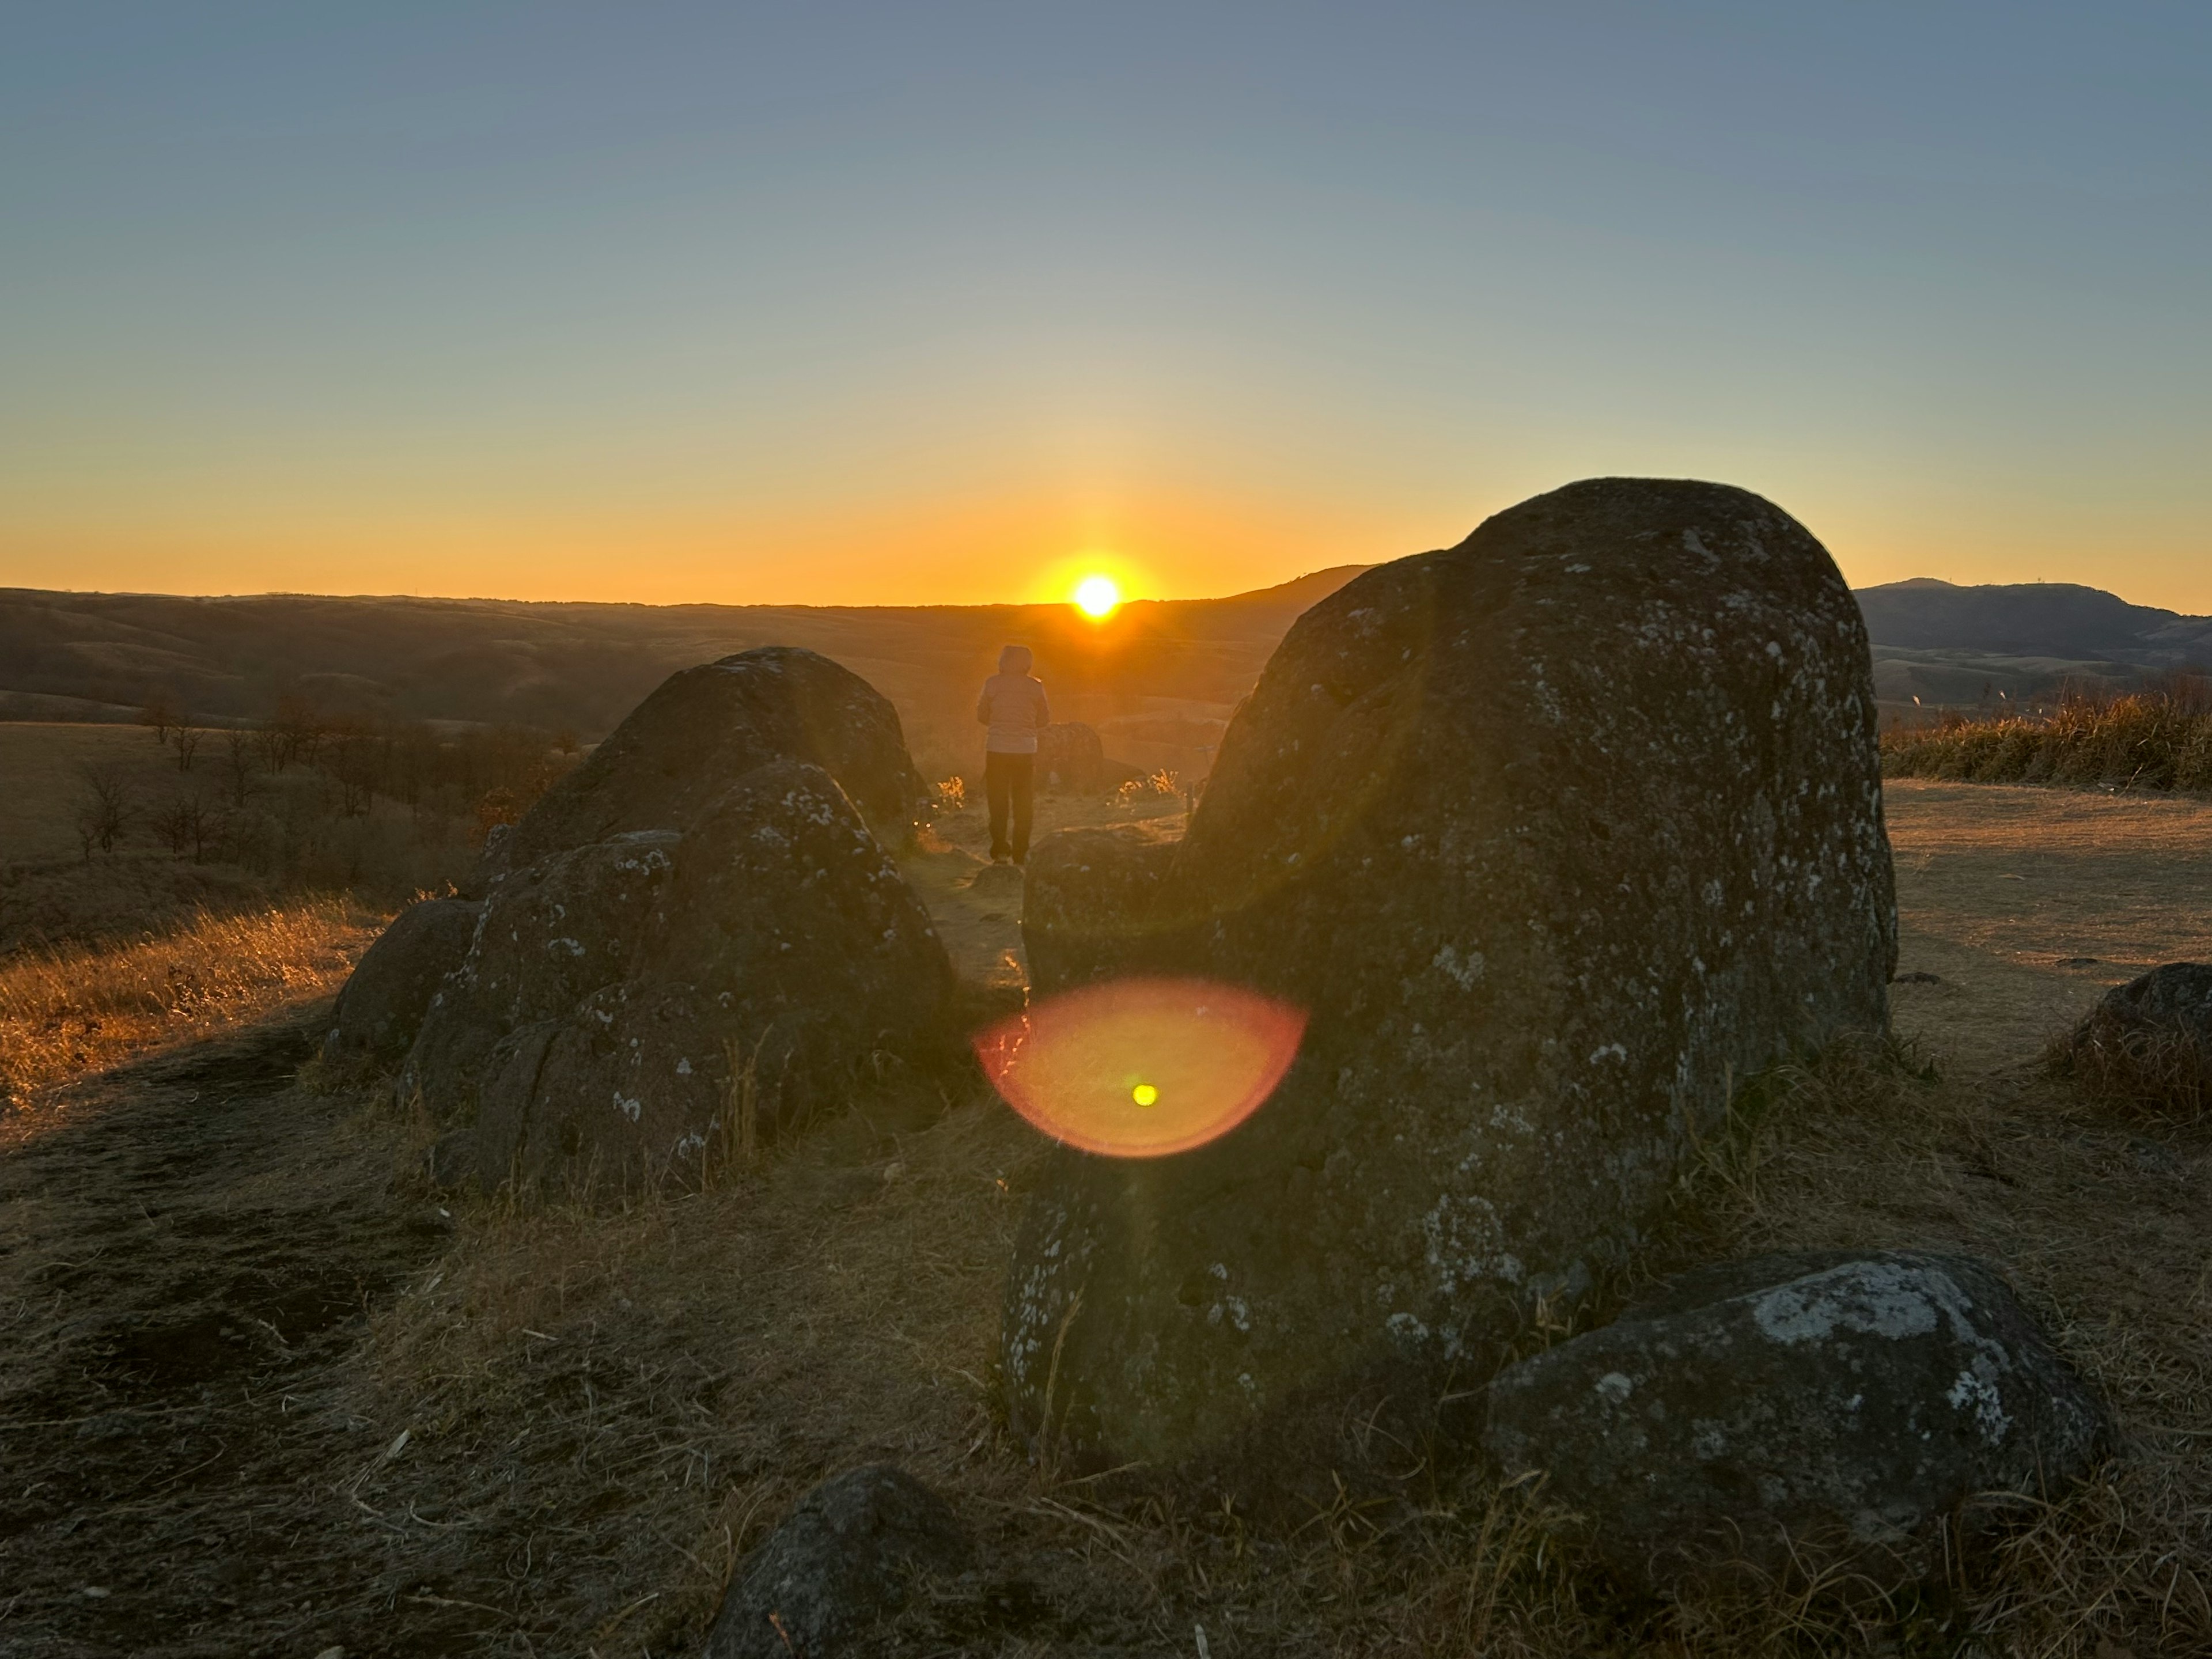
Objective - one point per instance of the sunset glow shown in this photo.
(758, 308)
(1096, 596)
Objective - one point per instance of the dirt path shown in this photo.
(185, 1262)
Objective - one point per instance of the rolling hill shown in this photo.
(1160, 679)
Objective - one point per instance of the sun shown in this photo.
(1097, 596)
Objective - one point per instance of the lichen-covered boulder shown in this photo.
(1555, 836)
(552, 933)
(1085, 895)
(1787, 1414)
(704, 727)
(1070, 755)
(841, 1561)
(382, 1005)
(629, 1004)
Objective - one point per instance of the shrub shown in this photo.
(2159, 739)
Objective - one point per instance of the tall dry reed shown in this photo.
(2158, 739)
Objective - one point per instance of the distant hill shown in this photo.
(1952, 645)
(1163, 672)
(2032, 619)
(583, 667)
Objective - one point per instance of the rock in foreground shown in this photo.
(1783, 1413)
(1085, 894)
(839, 1562)
(649, 1000)
(382, 1006)
(1554, 835)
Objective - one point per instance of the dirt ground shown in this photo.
(2028, 903)
(260, 1393)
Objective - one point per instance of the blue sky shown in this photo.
(927, 301)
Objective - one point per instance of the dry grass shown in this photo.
(2104, 1234)
(632, 1394)
(2162, 1076)
(617, 1403)
(572, 1425)
(67, 1011)
(2152, 740)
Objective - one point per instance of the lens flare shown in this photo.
(1097, 596)
(1142, 1067)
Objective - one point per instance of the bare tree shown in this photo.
(174, 825)
(161, 714)
(352, 758)
(238, 764)
(105, 809)
(187, 821)
(189, 738)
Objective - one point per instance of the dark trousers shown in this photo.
(1010, 780)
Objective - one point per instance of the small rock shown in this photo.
(2150, 1040)
(1069, 756)
(1765, 1415)
(840, 1562)
(2077, 962)
(1917, 977)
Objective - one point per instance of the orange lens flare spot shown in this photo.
(1142, 1067)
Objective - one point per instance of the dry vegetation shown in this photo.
(557, 1433)
(639, 1393)
(76, 1009)
(2156, 739)
(112, 828)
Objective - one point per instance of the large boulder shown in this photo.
(2149, 1043)
(841, 1560)
(382, 1005)
(1782, 1415)
(632, 1004)
(1556, 836)
(1070, 755)
(705, 726)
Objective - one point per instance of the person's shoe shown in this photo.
(998, 857)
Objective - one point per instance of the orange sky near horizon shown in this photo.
(1017, 547)
(953, 305)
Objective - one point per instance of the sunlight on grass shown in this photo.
(69, 1011)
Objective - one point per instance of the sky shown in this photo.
(949, 302)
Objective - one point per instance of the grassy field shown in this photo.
(556, 1429)
(41, 780)
(83, 1009)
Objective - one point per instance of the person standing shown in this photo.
(1013, 705)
